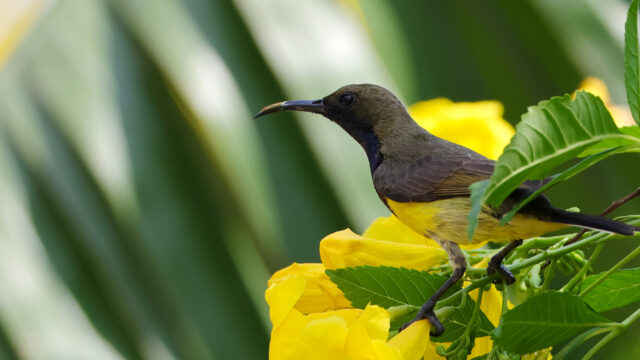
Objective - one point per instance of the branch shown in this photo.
(550, 254)
(614, 205)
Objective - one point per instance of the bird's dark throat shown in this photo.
(369, 142)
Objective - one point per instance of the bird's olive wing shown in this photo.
(433, 178)
(442, 177)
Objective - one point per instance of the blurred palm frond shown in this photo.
(135, 171)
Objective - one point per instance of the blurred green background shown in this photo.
(142, 209)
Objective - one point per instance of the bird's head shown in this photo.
(371, 114)
(351, 106)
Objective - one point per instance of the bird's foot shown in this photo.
(426, 312)
(494, 267)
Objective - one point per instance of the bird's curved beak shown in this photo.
(314, 106)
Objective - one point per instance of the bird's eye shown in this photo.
(347, 99)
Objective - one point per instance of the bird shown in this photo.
(424, 181)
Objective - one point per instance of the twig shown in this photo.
(614, 205)
(550, 254)
(574, 280)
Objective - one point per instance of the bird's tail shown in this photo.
(592, 222)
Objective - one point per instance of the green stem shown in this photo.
(549, 274)
(476, 310)
(476, 271)
(464, 341)
(536, 243)
(621, 263)
(580, 275)
(615, 332)
(550, 254)
(505, 302)
(579, 340)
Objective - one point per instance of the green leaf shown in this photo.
(7, 350)
(458, 321)
(387, 286)
(619, 289)
(72, 258)
(390, 287)
(631, 74)
(567, 174)
(550, 133)
(477, 192)
(175, 179)
(630, 144)
(545, 320)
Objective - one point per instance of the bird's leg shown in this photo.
(459, 263)
(495, 264)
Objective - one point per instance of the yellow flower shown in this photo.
(345, 249)
(337, 334)
(387, 241)
(305, 289)
(621, 114)
(476, 125)
(320, 294)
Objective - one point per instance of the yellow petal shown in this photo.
(319, 295)
(375, 320)
(315, 336)
(430, 352)
(286, 336)
(322, 339)
(412, 341)
(384, 351)
(283, 296)
(372, 324)
(344, 249)
(342, 334)
(481, 346)
(492, 305)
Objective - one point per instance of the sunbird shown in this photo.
(424, 180)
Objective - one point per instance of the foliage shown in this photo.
(632, 61)
(545, 320)
(389, 287)
(550, 134)
(618, 289)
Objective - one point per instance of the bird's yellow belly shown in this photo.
(447, 220)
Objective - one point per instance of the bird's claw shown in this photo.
(437, 328)
(503, 271)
